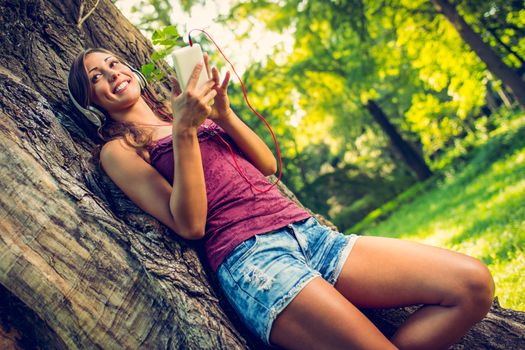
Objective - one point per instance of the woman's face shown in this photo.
(113, 86)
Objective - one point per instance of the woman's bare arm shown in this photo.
(146, 187)
(188, 202)
(250, 144)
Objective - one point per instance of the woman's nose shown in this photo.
(113, 74)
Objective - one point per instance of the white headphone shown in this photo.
(96, 116)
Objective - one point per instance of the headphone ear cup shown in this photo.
(142, 80)
(95, 116)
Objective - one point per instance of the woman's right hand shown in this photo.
(191, 107)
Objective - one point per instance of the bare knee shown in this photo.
(476, 288)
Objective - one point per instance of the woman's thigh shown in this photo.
(388, 272)
(319, 317)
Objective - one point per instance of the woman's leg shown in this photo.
(383, 272)
(319, 317)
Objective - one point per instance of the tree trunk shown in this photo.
(81, 266)
(409, 155)
(493, 62)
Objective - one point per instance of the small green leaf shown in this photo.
(155, 36)
(171, 31)
(168, 38)
(147, 69)
(157, 55)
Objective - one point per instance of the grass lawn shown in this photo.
(478, 210)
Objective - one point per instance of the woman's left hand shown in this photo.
(221, 105)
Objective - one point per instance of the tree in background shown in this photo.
(494, 63)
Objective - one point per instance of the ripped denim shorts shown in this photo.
(263, 274)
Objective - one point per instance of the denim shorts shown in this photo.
(262, 275)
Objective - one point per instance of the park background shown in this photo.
(389, 121)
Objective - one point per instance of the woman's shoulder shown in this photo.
(118, 147)
(115, 145)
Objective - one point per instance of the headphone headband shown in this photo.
(96, 116)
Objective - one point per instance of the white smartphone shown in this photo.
(185, 59)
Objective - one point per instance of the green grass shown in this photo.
(478, 210)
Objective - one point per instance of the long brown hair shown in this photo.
(78, 83)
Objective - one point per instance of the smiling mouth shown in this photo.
(122, 86)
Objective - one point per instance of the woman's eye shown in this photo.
(94, 78)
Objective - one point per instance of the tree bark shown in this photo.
(405, 150)
(81, 266)
(493, 62)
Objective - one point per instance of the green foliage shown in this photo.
(167, 38)
(389, 208)
(452, 77)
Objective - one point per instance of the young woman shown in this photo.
(292, 280)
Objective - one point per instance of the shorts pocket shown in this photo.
(246, 248)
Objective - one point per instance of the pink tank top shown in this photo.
(236, 211)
